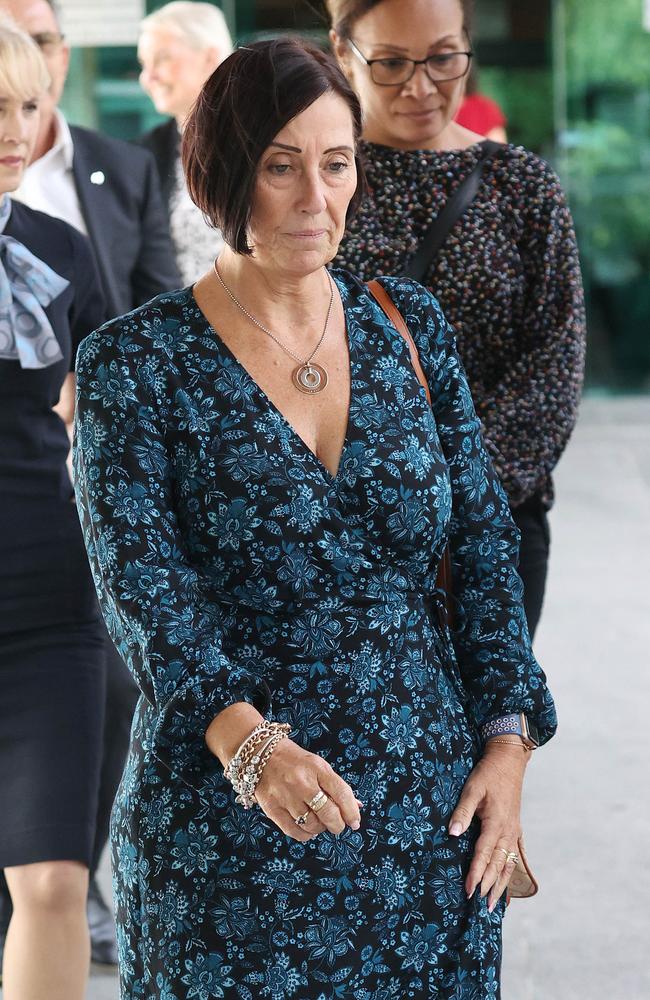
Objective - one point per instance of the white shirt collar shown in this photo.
(63, 145)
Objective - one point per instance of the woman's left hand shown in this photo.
(493, 793)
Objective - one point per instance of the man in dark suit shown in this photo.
(109, 190)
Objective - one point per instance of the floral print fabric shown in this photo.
(231, 565)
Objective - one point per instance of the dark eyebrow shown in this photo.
(397, 48)
(296, 149)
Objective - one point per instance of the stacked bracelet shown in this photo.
(511, 743)
(245, 769)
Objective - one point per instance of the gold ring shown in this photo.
(503, 851)
(318, 802)
(301, 820)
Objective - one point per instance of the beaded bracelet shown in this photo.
(250, 778)
(247, 764)
(248, 748)
(238, 752)
(237, 770)
(246, 751)
(245, 769)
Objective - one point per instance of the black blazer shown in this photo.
(44, 575)
(164, 142)
(120, 200)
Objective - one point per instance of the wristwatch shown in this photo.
(516, 724)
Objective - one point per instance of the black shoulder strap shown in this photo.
(419, 264)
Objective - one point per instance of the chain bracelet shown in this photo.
(511, 743)
(247, 748)
(251, 779)
(244, 770)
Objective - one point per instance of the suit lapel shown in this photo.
(84, 166)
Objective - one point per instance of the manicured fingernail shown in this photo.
(356, 824)
(491, 906)
(470, 894)
(455, 829)
(361, 804)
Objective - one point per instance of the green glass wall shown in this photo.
(604, 62)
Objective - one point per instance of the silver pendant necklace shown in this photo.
(308, 377)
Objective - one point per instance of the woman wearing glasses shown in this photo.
(507, 274)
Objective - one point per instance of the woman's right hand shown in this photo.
(290, 781)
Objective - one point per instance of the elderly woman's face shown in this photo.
(172, 71)
(19, 121)
(305, 182)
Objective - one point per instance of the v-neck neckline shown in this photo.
(223, 346)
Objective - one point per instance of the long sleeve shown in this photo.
(491, 641)
(528, 416)
(158, 607)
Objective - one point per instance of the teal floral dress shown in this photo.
(231, 565)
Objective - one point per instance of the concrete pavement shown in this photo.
(587, 812)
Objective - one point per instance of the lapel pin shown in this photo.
(97, 177)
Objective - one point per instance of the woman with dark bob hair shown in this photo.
(323, 790)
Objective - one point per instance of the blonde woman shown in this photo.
(51, 646)
(180, 46)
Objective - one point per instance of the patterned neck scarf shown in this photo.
(27, 286)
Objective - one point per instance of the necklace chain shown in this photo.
(305, 363)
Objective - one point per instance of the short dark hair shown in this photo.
(344, 14)
(248, 99)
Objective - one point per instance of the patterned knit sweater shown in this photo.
(508, 278)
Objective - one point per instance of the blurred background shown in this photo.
(573, 77)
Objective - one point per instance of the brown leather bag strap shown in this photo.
(386, 304)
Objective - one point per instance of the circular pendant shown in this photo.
(310, 378)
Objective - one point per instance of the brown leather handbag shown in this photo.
(522, 882)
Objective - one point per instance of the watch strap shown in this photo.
(504, 725)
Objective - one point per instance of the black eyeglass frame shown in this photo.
(414, 64)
